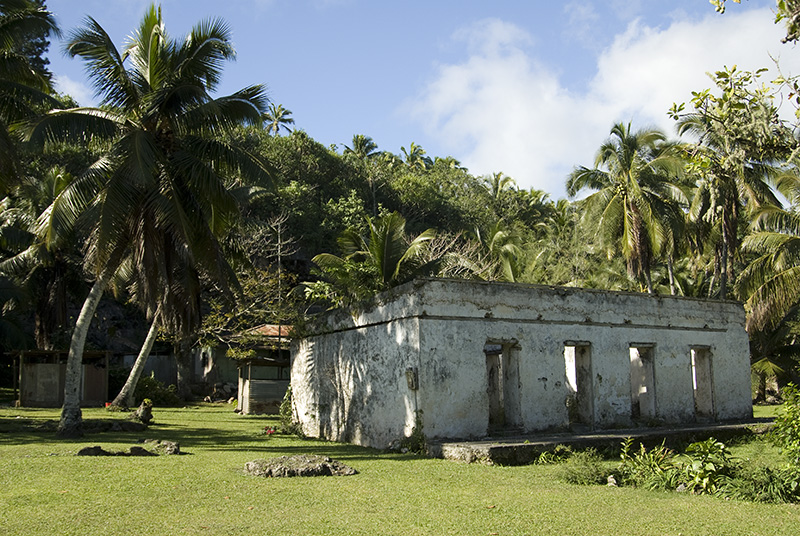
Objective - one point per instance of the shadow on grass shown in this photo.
(25, 431)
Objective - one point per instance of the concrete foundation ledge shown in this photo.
(525, 449)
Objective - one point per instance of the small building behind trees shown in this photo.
(41, 373)
(459, 359)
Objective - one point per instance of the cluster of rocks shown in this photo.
(157, 447)
(298, 465)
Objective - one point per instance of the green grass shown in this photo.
(48, 490)
(767, 412)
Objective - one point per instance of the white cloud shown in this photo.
(503, 110)
(77, 90)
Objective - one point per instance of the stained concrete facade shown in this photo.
(472, 359)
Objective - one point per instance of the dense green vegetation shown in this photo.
(206, 492)
(210, 214)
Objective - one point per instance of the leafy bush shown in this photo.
(653, 469)
(763, 484)
(288, 426)
(150, 388)
(786, 433)
(707, 466)
(585, 467)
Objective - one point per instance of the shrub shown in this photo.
(786, 433)
(763, 484)
(653, 469)
(150, 388)
(585, 467)
(288, 426)
(707, 466)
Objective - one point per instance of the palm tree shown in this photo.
(41, 252)
(277, 117)
(384, 258)
(162, 190)
(23, 88)
(415, 157)
(363, 148)
(740, 146)
(365, 152)
(770, 283)
(634, 196)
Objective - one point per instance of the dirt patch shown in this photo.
(299, 465)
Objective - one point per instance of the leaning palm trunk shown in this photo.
(125, 396)
(71, 424)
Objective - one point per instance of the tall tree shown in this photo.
(634, 195)
(276, 118)
(740, 143)
(163, 187)
(23, 87)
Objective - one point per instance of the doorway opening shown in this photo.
(643, 393)
(503, 386)
(580, 391)
(702, 383)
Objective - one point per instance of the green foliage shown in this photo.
(416, 442)
(559, 454)
(707, 466)
(653, 469)
(155, 392)
(763, 484)
(286, 415)
(585, 467)
(786, 433)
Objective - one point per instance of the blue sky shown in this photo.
(529, 88)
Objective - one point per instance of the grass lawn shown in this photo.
(46, 489)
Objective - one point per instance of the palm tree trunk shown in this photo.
(125, 396)
(648, 281)
(671, 272)
(71, 424)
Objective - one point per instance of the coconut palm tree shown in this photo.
(277, 117)
(41, 253)
(163, 187)
(741, 144)
(634, 196)
(23, 88)
(415, 158)
(372, 262)
(363, 148)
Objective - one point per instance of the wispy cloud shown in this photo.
(503, 109)
(77, 90)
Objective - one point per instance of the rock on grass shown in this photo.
(299, 465)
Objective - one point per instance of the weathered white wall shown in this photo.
(349, 381)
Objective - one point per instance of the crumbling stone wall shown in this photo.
(431, 349)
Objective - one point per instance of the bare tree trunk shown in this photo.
(125, 396)
(71, 424)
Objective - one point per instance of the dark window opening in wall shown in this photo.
(702, 383)
(580, 391)
(503, 387)
(643, 393)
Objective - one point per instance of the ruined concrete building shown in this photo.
(466, 359)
